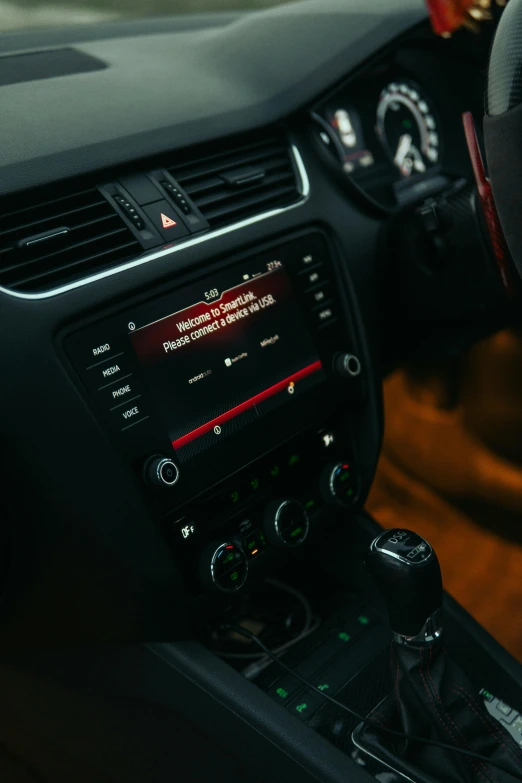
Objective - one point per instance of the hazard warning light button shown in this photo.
(166, 220)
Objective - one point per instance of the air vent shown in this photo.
(238, 181)
(57, 235)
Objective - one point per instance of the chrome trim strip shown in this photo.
(362, 749)
(429, 633)
(303, 187)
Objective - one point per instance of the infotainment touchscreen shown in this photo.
(232, 349)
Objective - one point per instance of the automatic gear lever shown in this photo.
(406, 570)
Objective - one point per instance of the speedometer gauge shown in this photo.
(407, 129)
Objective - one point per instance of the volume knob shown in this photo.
(160, 472)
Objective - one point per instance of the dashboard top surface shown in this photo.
(177, 84)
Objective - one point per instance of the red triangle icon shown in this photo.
(167, 222)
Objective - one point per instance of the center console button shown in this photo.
(166, 220)
(283, 690)
(305, 705)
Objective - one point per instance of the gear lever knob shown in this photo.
(405, 569)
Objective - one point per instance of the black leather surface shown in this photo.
(505, 66)
(503, 125)
(502, 134)
(432, 698)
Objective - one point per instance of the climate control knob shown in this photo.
(339, 484)
(223, 567)
(160, 472)
(286, 523)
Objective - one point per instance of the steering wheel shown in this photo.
(503, 126)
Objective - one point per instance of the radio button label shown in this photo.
(101, 349)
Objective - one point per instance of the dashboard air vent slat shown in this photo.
(89, 236)
(240, 180)
(248, 205)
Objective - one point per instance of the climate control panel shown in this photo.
(226, 538)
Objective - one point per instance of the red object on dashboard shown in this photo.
(448, 15)
(498, 242)
(247, 404)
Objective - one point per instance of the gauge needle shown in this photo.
(403, 149)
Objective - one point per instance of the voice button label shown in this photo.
(127, 416)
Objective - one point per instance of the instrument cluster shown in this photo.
(387, 137)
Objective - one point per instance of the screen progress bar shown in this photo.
(247, 404)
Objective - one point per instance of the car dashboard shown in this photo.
(209, 259)
(192, 331)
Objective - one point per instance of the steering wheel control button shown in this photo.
(339, 483)
(224, 567)
(347, 365)
(286, 523)
(166, 220)
(161, 472)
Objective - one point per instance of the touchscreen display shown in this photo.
(234, 348)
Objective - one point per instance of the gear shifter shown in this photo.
(431, 697)
(406, 570)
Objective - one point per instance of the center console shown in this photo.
(230, 400)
